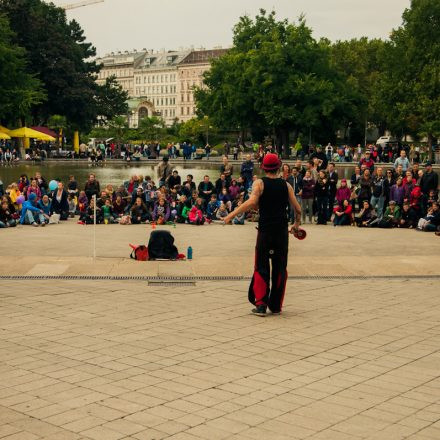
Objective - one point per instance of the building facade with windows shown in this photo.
(159, 83)
(190, 76)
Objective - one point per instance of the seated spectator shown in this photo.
(211, 209)
(222, 211)
(195, 215)
(107, 212)
(6, 218)
(72, 205)
(60, 205)
(31, 214)
(343, 214)
(225, 198)
(431, 221)
(366, 215)
(87, 217)
(33, 188)
(139, 212)
(161, 213)
(119, 206)
(391, 216)
(83, 202)
(182, 210)
(408, 217)
(239, 219)
(45, 205)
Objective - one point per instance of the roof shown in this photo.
(162, 60)
(203, 56)
(45, 130)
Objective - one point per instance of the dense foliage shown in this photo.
(59, 57)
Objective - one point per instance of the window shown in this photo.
(183, 98)
(187, 110)
(181, 111)
(166, 112)
(148, 78)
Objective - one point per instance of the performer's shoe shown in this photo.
(259, 311)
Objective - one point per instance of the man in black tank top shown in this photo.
(271, 195)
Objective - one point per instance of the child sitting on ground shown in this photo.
(222, 212)
(195, 215)
(107, 212)
(72, 205)
(211, 210)
(239, 219)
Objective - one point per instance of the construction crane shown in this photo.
(80, 4)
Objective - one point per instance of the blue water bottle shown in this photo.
(189, 253)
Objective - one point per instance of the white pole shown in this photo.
(94, 228)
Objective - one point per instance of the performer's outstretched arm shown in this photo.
(296, 206)
(250, 203)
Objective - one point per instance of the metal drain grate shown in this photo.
(193, 279)
(171, 283)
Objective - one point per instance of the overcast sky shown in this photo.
(155, 24)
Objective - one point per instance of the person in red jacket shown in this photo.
(343, 215)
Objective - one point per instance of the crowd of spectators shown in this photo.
(404, 195)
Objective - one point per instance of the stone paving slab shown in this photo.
(124, 360)
(66, 249)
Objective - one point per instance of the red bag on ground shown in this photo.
(139, 253)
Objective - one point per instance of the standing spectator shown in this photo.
(333, 184)
(397, 192)
(307, 194)
(164, 171)
(367, 161)
(321, 157)
(402, 160)
(365, 183)
(92, 187)
(343, 192)
(247, 171)
(428, 182)
(226, 169)
(378, 192)
(329, 151)
(207, 151)
(321, 192)
(33, 188)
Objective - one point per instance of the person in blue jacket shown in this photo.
(31, 214)
(45, 204)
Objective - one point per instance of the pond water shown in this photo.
(117, 173)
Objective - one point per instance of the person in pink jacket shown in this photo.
(343, 192)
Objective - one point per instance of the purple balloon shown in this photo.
(20, 200)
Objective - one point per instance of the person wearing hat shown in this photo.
(31, 214)
(367, 161)
(271, 195)
(428, 182)
(164, 171)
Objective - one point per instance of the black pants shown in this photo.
(271, 245)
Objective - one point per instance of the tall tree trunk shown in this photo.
(430, 142)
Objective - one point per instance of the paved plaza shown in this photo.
(348, 359)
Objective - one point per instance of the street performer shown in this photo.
(271, 195)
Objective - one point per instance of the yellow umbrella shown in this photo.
(4, 129)
(4, 136)
(25, 132)
(46, 137)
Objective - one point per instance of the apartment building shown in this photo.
(159, 83)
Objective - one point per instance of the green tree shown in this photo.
(276, 75)
(360, 63)
(58, 123)
(19, 90)
(151, 128)
(197, 130)
(59, 56)
(411, 78)
(111, 100)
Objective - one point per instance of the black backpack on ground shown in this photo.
(161, 245)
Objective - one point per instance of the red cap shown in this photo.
(271, 162)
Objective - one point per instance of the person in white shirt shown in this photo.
(402, 160)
